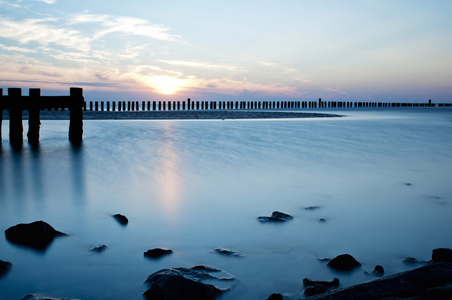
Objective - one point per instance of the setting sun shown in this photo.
(165, 84)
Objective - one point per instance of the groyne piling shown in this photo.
(246, 105)
(15, 104)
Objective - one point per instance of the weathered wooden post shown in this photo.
(76, 115)
(1, 113)
(15, 117)
(34, 121)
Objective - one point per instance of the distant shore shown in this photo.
(180, 115)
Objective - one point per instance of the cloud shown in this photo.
(201, 65)
(47, 1)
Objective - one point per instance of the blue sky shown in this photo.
(381, 50)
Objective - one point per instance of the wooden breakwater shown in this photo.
(248, 105)
(15, 103)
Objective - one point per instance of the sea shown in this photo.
(373, 183)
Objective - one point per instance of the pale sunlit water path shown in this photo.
(193, 186)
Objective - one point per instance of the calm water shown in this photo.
(193, 186)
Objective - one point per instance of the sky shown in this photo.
(373, 50)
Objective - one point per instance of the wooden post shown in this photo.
(15, 117)
(76, 115)
(1, 113)
(34, 121)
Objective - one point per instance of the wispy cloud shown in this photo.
(202, 65)
(47, 1)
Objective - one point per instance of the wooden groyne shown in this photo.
(15, 104)
(237, 105)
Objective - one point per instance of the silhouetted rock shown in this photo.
(157, 252)
(40, 297)
(99, 248)
(276, 217)
(37, 235)
(313, 287)
(187, 284)
(226, 252)
(121, 219)
(344, 262)
(5, 266)
(275, 297)
(378, 270)
(322, 220)
(442, 255)
(427, 282)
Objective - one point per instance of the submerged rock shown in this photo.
(378, 271)
(344, 262)
(411, 260)
(226, 252)
(40, 297)
(5, 266)
(313, 287)
(276, 217)
(121, 219)
(312, 207)
(99, 248)
(37, 235)
(188, 284)
(157, 252)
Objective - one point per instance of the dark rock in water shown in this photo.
(408, 184)
(312, 207)
(324, 259)
(157, 252)
(442, 255)
(187, 284)
(226, 252)
(411, 260)
(313, 287)
(322, 220)
(344, 262)
(275, 297)
(378, 270)
(37, 235)
(99, 248)
(121, 219)
(421, 283)
(40, 297)
(276, 217)
(5, 266)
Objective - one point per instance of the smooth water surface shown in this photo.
(381, 180)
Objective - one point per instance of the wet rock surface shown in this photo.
(225, 252)
(37, 235)
(275, 217)
(199, 282)
(121, 219)
(5, 266)
(157, 252)
(343, 262)
(313, 287)
(427, 282)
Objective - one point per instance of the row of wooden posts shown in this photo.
(223, 105)
(15, 104)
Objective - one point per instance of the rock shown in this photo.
(344, 262)
(442, 255)
(157, 252)
(226, 252)
(275, 297)
(187, 284)
(37, 235)
(411, 260)
(40, 297)
(99, 248)
(276, 217)
(416, 284)
(313, 287)
(5, 266)
(312, 207)
(121, 219)
(322, 220)
(378, 270)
